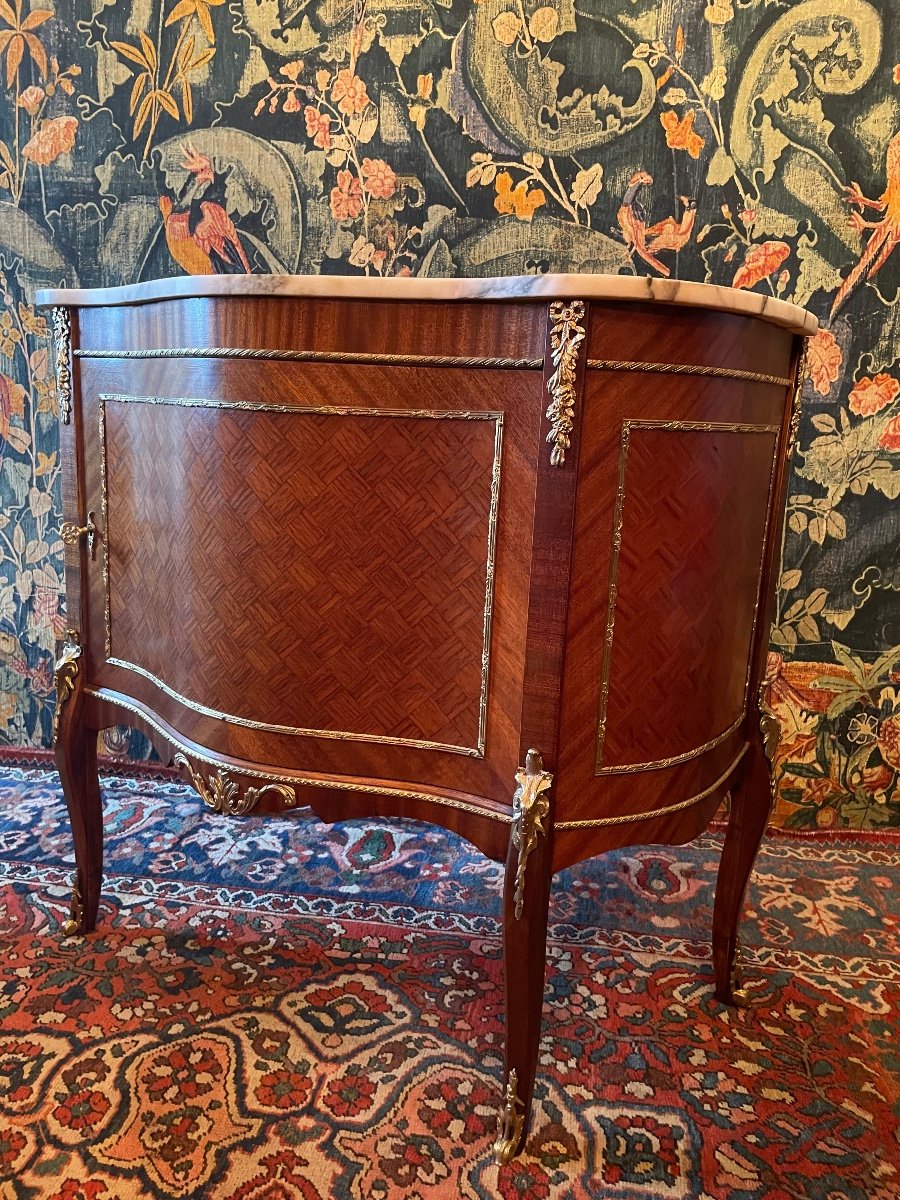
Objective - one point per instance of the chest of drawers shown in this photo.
(495, 554)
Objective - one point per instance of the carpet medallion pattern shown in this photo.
(278, 1010)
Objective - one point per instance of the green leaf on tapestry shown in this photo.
(825, 423)
(798, 522)
(784, 635)
(836, 525)
(848, 659)
(18, 439)
(305, 38)
(363, 126)
(841, 703)
(884, 477)
(772, 143)
(44, 576)
(808, 629)
(36, 550)
(18, 476)
(882, 665)
(438, 262)
(793, 795)
(586, 186)
(815, 601)
(804, 770)
(817, 530)
(769, 222)
(721, 168)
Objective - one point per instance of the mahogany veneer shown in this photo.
(492, 554)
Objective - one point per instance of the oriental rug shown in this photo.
(278, 1010)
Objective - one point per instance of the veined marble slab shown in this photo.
(513, 287)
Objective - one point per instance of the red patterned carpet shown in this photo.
(274, 1010)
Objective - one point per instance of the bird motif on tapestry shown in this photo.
(632, 218)
(672, 233)
(646, 241)
(884, 234)
(201, 236)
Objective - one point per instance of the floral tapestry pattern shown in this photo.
(755, 145)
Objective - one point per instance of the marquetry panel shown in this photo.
(674, 483)
(332, 569)
(680, 615)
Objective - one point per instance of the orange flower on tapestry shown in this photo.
(680, 134)
(870, 396)
(10, 336)
(516, 200)
(379, 178)
(823, 361)
(54, 138)
(349, 92)
(12, 403)
(31, 99)
(318, 127)
(890, 437)
(760, 261)
(346, 197)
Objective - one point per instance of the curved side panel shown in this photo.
(676, 488)
(686, 561)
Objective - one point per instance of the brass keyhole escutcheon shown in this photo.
(71, 533)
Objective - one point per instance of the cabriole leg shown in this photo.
(751, 804)
(526, 896)
(75, 748)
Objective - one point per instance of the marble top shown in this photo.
(513, 287)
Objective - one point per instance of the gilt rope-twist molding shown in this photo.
(566, 336)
